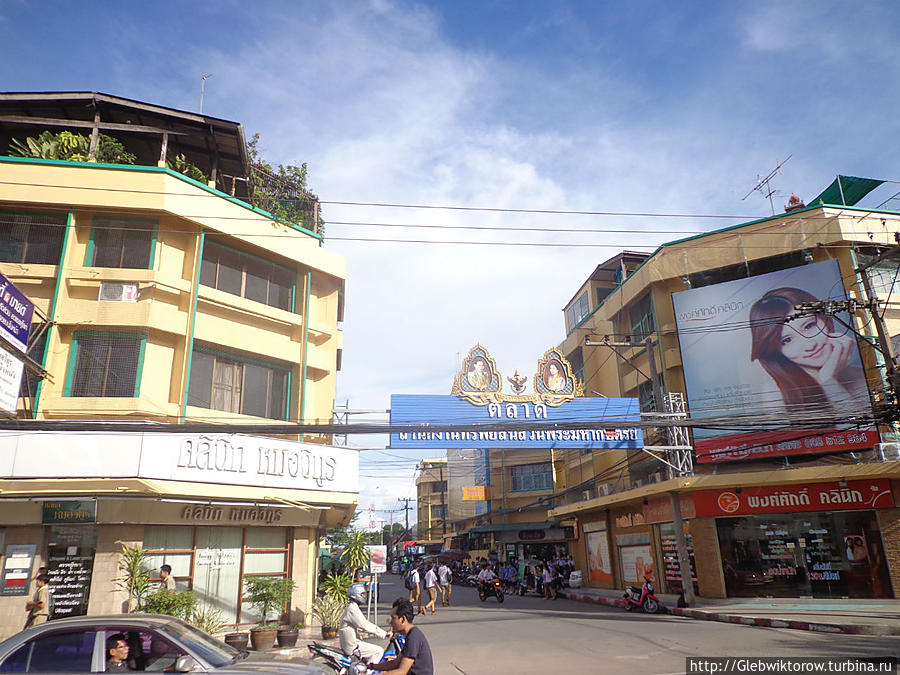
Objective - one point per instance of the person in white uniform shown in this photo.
(354, 620)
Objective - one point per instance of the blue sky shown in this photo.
(600, 106)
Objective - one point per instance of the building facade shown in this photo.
(167, 299)
(431, 503)
(788, 485)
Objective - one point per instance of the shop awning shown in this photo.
(811, 474)
(846, 191)
(336, 506)
(510, 527)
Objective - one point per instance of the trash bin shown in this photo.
(575, 579)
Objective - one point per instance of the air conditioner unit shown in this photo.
(889, 452)
(655, 477)
(586, 494)
(113, 291)
(605, 489)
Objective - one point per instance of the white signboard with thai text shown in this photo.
(226, 459)
(10, 380)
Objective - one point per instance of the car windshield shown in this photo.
(214, 652)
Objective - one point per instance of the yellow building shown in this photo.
(431, 503)
(775, 500)
(166, 299)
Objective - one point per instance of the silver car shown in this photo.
(155, 643)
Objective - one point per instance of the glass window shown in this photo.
(265, 537)
(106, 365)
(122, 243)
(532, 477)
(17, 661)
(31, 237)
(264, 563)
(439, 486)
(439, 511)
(36, 354)
(640, 314)
(577, 311)
(248, 388)
(217, 570)
(247, 275)
(70, 652)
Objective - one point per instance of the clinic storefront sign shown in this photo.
(15, 315)
(225, 459)
(832, 496)
(746, 350)
(557, 405)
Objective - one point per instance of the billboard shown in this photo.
(613, 416)
(746, 351)
(15, 315)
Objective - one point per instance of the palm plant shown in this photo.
(356, 554)
(337, 585)
(135, 576)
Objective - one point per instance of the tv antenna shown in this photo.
(203, 79)
(763, 184)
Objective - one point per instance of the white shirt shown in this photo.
(444, 575)
(547, 577)
(430, 579)
(352, 621)
(486, 574)
(415, 577)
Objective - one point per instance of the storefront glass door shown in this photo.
(822, 554)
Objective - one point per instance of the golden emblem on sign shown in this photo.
(479, 381)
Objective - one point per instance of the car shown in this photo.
(156, 643)
(395, 567)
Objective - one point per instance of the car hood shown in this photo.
(274, 663)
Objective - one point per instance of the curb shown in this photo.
(765, 622)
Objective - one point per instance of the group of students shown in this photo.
(435, 578)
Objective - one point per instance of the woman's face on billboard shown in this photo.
(806, 342)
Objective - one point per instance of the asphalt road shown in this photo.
(530, 635)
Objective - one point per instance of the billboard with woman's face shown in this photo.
(780, 380)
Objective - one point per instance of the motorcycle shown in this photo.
(352, 665)
(641, 597)
(490, 588)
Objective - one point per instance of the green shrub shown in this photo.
(268, 594)
(174, 603)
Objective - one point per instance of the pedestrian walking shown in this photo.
(38, 607)
(549, 591)
(167, 581)
(431, 588)
(445, 576)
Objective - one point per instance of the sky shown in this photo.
(639, 107)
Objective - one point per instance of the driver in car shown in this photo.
(117, 654)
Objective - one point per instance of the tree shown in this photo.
(135, 576)
(70, 146)
(282, 190)
(355, 555)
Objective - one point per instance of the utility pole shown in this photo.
(406, 508)
(443, 506)
(684, 561)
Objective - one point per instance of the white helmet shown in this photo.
(358, 593)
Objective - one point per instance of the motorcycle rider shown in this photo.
(486, 576)
(352, 620)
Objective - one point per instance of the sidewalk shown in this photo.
(854, 616)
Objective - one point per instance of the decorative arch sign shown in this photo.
(566, 418)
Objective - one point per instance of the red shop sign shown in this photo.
(856, 494)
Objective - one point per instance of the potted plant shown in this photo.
(267, 594)
(329, 610)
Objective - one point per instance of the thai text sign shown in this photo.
(15, 315)
(612, 431)
(856, 494)
(10, 380)
(478, 493)
(69, 512)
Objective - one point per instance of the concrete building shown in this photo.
(431, 503)
(792, 487)
(164, 298)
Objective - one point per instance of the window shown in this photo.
(532, 477)
(439, 486)
(223, 557)
(62, 653)
(31, 237)
(438, 511)
(751, 268)
(36, 354)
(640, 315)
(105, 364)
(230, 383)
(577, 311)
(116, 242)
(248, 276)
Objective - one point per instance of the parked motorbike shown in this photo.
(335, 659)
(641, 597)
(494, 588)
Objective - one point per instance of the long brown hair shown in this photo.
(767, 315)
